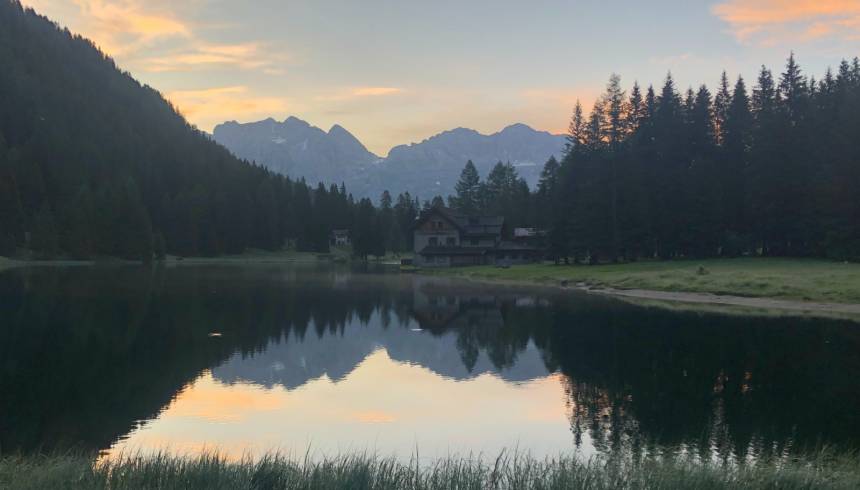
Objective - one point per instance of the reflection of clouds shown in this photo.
(209, 402)
(383, 405)
(373, 417)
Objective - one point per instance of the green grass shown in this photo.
(368, 472)
(795, 279)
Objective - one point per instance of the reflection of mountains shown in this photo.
(293, 361)
(86, 353)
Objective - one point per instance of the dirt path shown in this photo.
(713, 299)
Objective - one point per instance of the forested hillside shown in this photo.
(773, 171)
(92, 163)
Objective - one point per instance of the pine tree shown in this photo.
(576, 129)
(468, 189)
(159, 247)
(386, 221)
(734, 161)
(638, 110)
(704, 209)
(763, 175)
(44, 235)
(793, 91)
(11, 211)
(79, 232)
(722, 100)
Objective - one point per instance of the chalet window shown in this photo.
(450, 241)
(434, 241)
(474, 242)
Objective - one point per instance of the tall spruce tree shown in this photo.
(468, 188)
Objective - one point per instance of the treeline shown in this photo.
(94, 164)
(503, 193)
(771, 171)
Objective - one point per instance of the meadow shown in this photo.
(790, 279)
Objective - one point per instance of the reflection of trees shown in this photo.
(482, 322)
(727, 386)
(97, 349)
(84, 353)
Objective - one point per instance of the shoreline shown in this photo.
(170, 261)
(763, 303)
(253, 258)
(676, 285)
(676, 298)
(669, 299)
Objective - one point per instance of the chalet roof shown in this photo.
(474, 225)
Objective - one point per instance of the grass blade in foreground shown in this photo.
(212, 471)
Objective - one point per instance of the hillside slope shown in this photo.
(94, 163)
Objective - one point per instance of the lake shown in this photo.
(328, 360)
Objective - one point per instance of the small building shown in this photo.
(446, 238)
(339, 238)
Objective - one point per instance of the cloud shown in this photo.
(372, 91)
(244, 56)
(157, 36)
(770, 22)
(358, 93)
(208, 107)
(122, 26)
(554, 97)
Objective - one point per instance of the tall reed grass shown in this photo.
(825, 470)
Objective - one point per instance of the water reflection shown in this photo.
(100, 358)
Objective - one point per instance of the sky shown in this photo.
(399, 71)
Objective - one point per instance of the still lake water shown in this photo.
(252, 359)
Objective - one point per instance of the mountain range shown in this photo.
(426, 169)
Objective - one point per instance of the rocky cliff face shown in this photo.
(425, 169)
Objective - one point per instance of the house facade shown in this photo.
(339, 238)
(446, 238)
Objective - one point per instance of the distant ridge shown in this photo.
(425, 169)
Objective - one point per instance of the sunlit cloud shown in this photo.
(365, 91)
(549, 109)
(560, 97)
(771, 22)
(245, 56)
(208, 107)
(359, 92)
(156, 36)
(120, 27)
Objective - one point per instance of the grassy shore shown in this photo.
(368, 472)
(247, 258)
(790, 279)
